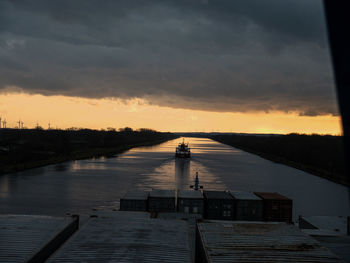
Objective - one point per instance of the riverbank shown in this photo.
(316, 154)
(25, 149)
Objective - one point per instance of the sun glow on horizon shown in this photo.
(65, 112)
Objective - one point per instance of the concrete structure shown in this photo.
(134, 200)
(218, 205)
(190, 201)
(277, 208)
(27, 238)
(224, 241)
(248, 206)
(127, 237)
(161, 200)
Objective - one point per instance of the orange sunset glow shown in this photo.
(65, 112)
(219, 67)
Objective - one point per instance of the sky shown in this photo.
(184, 65)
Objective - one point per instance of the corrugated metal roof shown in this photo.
(136, 195)
(242, 195)
(127, 237)
(241, 241)
(217, 195)
(21, 236)
(162, 193)
(271, 196)
(189, 194)
(339, 245)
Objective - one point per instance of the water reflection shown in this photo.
(80, 186)
(178, 173)
(182, 173)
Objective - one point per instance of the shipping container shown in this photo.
(255, 242)
(190, 201)
(277, 207)
(161, 201)
(248, 206)
(218, 205)
(135, 200)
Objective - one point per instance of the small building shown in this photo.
(190, 201)
(161, 200)
(248, 206)
(218, 205)
(277, 207)
(223, 241)
(135, 200)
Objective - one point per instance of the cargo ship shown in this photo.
(182, 150)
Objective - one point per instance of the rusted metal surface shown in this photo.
(277, 207)
(25, 237)
(135, 200)
(223, 241)
(271, 196)
(127, 237)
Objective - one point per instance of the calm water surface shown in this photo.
(87, 185)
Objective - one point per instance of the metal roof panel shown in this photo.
(228, 241)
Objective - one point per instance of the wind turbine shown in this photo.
(0, 122)
(4, 123)
(22, 124)
(19, 124)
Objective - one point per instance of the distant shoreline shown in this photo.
(323, 173)
(93, 153)
(84, 153)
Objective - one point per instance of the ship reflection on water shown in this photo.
(180, 178)
(80, 186)
(182, 173)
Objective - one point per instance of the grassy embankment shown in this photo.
(24, 149)
(321, 155)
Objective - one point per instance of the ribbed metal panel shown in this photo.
(22, 236)
(189, 194)
(135, 200)
(127, 237)
(277, 207)
(248, 206)
(160, 193)
(243, 195)
(258, 242)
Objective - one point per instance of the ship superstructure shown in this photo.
(182, 150)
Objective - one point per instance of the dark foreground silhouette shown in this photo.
(29, 148)
(320, 155)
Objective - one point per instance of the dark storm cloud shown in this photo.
(209, 55)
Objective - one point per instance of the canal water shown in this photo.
(97, 184)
